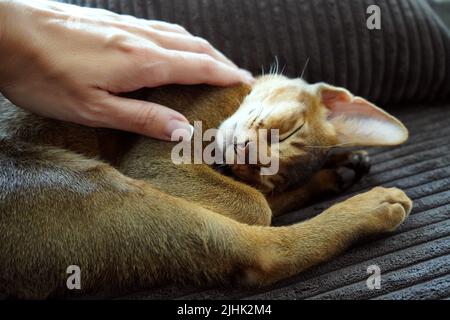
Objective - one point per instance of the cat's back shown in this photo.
(22, 127)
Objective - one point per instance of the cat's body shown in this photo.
(141, 220)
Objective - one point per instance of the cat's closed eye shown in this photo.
(293, 132)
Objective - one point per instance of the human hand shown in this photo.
(68, 63)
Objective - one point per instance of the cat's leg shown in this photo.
(150, 161)
(341, 171)
(292, 249)
(59, 209)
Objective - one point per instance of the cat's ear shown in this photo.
(358, 122)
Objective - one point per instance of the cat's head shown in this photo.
(311, 119)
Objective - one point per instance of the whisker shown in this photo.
(282, 70)
(274, 67)
(277, 64)
(330, 146)
(260, 111)
(256, 117)
(268, 114)
(221, 165)
(304, 68)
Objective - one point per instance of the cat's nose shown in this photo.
(241, 145)
(242, 152)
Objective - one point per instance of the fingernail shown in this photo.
(177, 130)
(248, 77)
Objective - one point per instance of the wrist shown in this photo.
(21, 25)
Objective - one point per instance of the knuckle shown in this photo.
(160, 72)
(146, 117)
(107, 13)
(153, 34)
(129, 17)
(203, 45)
(119, 41)
(126, 44)
(179, 28)
(91, 114)
(152, 23)
(208, 65)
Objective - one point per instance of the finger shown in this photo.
(145, 118)
(165, 26)
(177, 41)
(194, 68)
(173, 40)
(181, 42)
(151, 25)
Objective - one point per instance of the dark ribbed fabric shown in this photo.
(407, 60)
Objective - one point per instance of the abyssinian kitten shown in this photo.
(116, 205)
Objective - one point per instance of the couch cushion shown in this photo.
(408, 59)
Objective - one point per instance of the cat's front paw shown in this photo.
(359, 162)
(349, 167)
(379, 210)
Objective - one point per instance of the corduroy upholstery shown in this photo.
(407, 60)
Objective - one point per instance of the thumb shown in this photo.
(146, 118)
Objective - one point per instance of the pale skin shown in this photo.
(70, 63)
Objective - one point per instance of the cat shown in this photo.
(115, 204)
